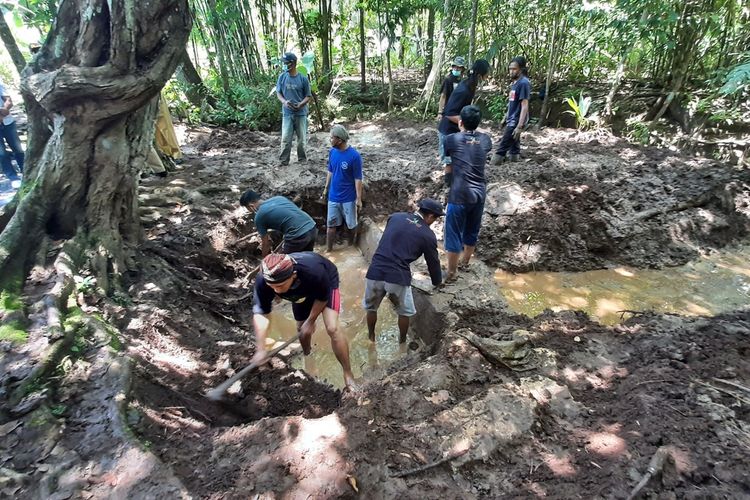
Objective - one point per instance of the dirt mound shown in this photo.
(582, 202)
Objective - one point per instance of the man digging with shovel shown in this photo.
(311, 283)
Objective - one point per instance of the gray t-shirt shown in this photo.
(280, 214)
(4, 95)
(295, 89)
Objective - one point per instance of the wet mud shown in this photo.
(583, 420)
(488, 403)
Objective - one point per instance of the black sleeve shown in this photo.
(262, 297)
(432, 258)
(442, 87)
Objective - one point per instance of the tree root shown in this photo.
(431, 465)
(655, 466)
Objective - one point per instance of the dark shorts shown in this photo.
(302, 310)
(305, 243)
(462, 223)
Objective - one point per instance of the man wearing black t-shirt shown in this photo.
(450, 83)
(311, 283)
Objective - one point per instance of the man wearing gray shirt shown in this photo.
(9, 135)
(293, 90)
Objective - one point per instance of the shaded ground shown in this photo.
(581, 419)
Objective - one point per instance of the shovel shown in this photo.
(218, 393)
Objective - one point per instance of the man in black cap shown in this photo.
(311, 283)
(281, 214)
(293, 90)
(406, 238)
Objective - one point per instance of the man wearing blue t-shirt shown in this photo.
(345, 181)
(293, 90)
(518, 113)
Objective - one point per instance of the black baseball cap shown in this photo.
(432, 206)
(289, 57)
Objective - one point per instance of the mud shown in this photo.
(579, 417)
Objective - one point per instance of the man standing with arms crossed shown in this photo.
(293, 90)
(345, 181)
(406, 238)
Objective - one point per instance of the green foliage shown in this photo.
(580, 109)
(174, 93)
(638, 131)
(497, 106)
(85, 285)
(737, 80)
(255, 105)
(10, 301)
(13, 332)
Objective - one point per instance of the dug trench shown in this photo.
(557, 406)
(487, 403)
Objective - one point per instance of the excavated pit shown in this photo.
(597, 395)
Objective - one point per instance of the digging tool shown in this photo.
(217, 394)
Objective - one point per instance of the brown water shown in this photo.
(322, 363)
(709, 286)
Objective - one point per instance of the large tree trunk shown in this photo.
(362, 51)
(430, 45)
(551, 64)
(196, 91)
(429, 87)
(473, 30)
(94, 83)
(10, 45)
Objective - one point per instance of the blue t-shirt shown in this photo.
(294, 89)
(316, 278)
(280, 214)
(519, 90)
(460, 97)
(468, 152)
(345, 167)
(406, 238)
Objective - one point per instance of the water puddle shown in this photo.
(709, 286)
(322, 363)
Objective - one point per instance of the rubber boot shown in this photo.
(497, 159)
(514, 157)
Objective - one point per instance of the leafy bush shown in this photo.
(737, 80)
(255, 105)
(497, 105)
(580, 109)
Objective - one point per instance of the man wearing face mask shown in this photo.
(461, 97)
(293, 90)
(450, 83)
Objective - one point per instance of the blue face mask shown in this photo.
(285, 67)
(456, 72)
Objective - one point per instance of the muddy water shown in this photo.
(710, 286)
(322, 363)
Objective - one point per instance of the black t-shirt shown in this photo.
(460, 97)
(406, 238)
(316, 277)
(449, 85)
(468, 152)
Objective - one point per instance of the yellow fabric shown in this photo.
(166, 140)
(153, 162)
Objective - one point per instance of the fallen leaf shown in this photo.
(352, 482)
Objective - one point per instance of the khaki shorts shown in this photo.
(399, 295)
